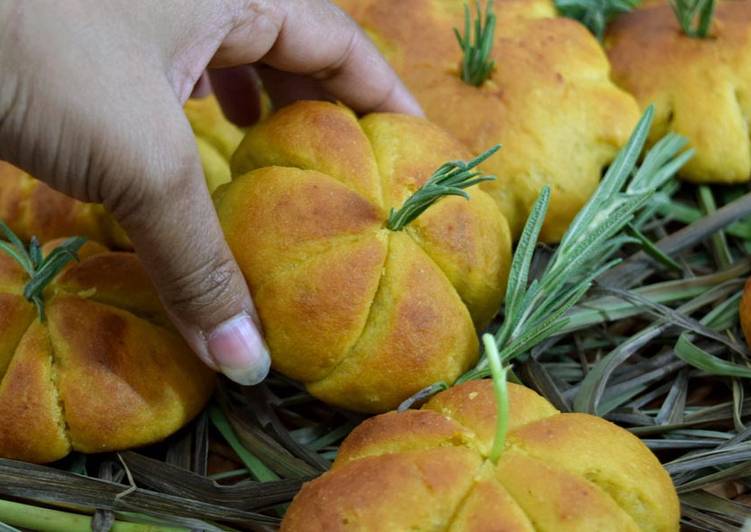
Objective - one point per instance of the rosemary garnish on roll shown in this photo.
(595, 14)
(694, 16)
(477, 65)
(41, 270)
(450, 179)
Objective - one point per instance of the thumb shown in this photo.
(171, 221)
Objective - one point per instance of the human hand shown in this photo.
(91, 102)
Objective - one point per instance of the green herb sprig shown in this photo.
(41, 270)
(449, 180)
(500, 390)
(694, 16)
(536, 311)
(595, 14)
(477, 66)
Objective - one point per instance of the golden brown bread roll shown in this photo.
(216, 138)
(364, 316)
(428, 470)
(549, 101)
(31, 208)
(104, 372)
(700, 87)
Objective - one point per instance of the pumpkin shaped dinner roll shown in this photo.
(546, 98)
(701, 87)
(31, 208)
(429, 470)
(95, 365)
(216, 138)
(362, 314)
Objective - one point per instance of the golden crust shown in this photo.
(313, 136)
(103, 352)
(472, 405)
(394, 432)
(31, 208)
(549, 102)
(33, 427)
(418, 332)
(557, 472)
(315, 313)
(489, 507)
(554, 499)
(216, 138)
(274, 218)
(407, 491)
(364, 316)
(636, 480)
(95, 376)
(690, 80)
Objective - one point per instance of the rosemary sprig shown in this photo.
(449, 180)
(477, 66)
(536, 311)
(500, 390)
(41, 270)
(694, 16)
(595, 14)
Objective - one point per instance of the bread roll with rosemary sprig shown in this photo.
(430, 469)
(91, 363)
(31, 208)
(701, 87)
(364, 311)
(548, 99)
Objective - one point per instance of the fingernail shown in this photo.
(239, 351)
(409, 102)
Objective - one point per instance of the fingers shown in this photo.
(171, 221)
(238, 92)
(284, 88)
(314, 38)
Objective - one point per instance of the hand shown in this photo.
(91, 102)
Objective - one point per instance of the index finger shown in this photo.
(317, 39)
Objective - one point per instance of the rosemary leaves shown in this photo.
(694, 16)
(477, 65)
(595, 14)
(449, 180)
(41, 270)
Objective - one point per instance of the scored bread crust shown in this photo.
(700, 87)
(362, 315)
(32, 209)
(428, 470)
(104, 372)
(549, 101)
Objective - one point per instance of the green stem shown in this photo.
(720, 249)
(652, 250)
(258, 469)
(47, 520)
(500, 390)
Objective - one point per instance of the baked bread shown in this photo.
(700, 87)
(216, 137)
(105, 371)
(31, 208)
(428, 470)
(362, 315)
(549, 101)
